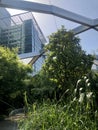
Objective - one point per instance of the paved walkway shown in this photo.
(8, 125)
(11, 122)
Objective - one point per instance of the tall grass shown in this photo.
(78, 114)
(58, 117)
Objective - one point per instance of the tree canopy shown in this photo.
(66, 62)
(12, 75)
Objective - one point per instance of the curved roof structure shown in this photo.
(86, 23)
(78, 16)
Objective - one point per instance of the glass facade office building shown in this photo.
(19, 36)
(22, 31)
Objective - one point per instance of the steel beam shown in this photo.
(83, 28)
(72, 16)
(96, 22)
(80, 29)
(48, 9)
(86, 23)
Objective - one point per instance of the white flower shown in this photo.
(87, 80)
(89, 94)
(81, 89)
(81, 97)
(74, 99)
(54, 58)
(88, 84)
(85, 77)
(75, 90)
(78, 81)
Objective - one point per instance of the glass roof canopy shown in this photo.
(85, 8)
(18, 19)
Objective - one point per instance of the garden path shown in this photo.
(8, 125)
(11, 122)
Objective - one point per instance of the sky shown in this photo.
(49, 23)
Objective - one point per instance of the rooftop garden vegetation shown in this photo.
(62, 96)
(64, 93)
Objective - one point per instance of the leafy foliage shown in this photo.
(66, 62)
(12, 75)
(66, 73)
(39, 88)
(93, 78)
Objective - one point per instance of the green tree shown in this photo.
(66, 62)
(41, 88)
(12, 76)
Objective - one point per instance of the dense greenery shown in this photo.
(80, 113)
(64, 93)
(49, 116)
(65, 63)
(66, 74)
(12, 76)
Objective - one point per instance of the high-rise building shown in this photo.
(22, 31)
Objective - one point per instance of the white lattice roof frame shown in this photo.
(86, 23)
